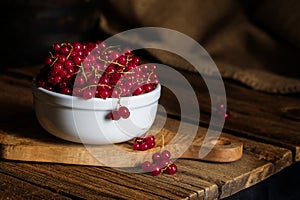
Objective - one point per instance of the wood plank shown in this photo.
(14, 188)
(95, 182)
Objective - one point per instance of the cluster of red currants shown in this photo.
(122, 111)
(95, 70)
(144, 143)
(161, 163)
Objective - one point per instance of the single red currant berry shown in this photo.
(57, 68)
(165, 154)
(146, 166)
(227, 115)
(49, 87)
(130, 66)
(148, 87)
(164, 162)
(153, 67)
(87, 94)
(124, 112)
(149, 139)
(57, 80)
(76, 91)
(65, 50)
(73, 53)
(77, 60)
(104, 80)
(48, 60)
(62, 59)
(80, 53)
(171, 169)
(155, 169)
(79, 81)
(116, 93)
(77, 46)
(56, 47)
(104, 93)
(69, 64)
(156, 157)
(138, 91)
(143, 146)
(135, 59)
(151, 145)
(110, 69)
(127, 51)
(115, 115)
(122, 60)
(136, 146)
(66, 90)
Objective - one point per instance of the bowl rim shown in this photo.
(64, 100)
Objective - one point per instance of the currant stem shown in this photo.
(111, 47)
(53, 62)
(70, 45)
(110, 62)
(83, 72)
(162, 140)
(96, 85)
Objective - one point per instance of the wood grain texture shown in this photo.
(14, 188)
(195, 179)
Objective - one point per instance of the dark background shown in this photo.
(30, 27)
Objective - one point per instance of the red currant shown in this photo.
(87, 94)
(149, 139)
(165, 154)
(48, 60)
(56, 47)
(156, 157)
(124, 112)
(171, 169)
(144, 143)
(161, 163)
(143, 146)
(155, 169)
(136, 146)
(115, 115)
(146, 166)
(104, 93)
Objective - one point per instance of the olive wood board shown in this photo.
(54, 150)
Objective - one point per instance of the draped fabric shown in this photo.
(256, 43)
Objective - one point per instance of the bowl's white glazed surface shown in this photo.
(85, 121)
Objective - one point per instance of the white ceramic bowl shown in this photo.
(85, 121)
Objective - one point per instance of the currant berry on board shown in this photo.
(144, 143)
(161, 163)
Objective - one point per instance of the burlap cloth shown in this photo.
(254, 42)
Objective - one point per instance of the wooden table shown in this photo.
(268, 125)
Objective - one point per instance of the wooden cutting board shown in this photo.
(43, 147)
